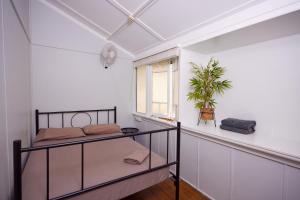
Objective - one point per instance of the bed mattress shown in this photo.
(103, 161)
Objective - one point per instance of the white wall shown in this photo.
(15, 91)
(3, 132)
(266, 87)
(187, 112)
(66, 69)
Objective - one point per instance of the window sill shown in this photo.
(167, 122)
(287, 152)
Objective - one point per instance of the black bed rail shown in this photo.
(18, 171)
(62, 113)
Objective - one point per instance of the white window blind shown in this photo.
(170, 53)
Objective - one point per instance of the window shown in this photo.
(157, 89)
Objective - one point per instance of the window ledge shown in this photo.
(283, 151)
(140, 117)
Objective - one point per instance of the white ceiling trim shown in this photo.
(146, 5)
(149, 30)
(131, 18)
(267, 10)
(118, 6)
(215, 18)
(134, 17)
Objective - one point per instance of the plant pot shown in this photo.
(207, 114)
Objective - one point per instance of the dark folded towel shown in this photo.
(238, 123)
(238, 130)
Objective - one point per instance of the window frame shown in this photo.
(149, 93)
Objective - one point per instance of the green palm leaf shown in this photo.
(206, 82)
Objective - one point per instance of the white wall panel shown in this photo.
(189, 158)
(4, 177)
(214, 170)
(255, 178)
(66, 80)
(292, 183)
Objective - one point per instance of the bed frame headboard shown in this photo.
(87, 112)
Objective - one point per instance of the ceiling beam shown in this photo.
(132, 18)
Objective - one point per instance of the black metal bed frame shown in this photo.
(18, 150)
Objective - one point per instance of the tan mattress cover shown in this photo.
(103, 161)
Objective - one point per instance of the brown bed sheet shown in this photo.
(103, 161)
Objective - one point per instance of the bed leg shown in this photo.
(17, 170)
(178, 162)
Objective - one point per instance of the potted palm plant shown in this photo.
(205, 83)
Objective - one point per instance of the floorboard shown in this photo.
(166, 191)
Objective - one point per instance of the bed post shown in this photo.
(115, 117)
(36, 121)
(178, 161)
(17, 170)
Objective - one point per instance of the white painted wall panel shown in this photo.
(66, 80)
(189, 158)
(292, 183)
(255, 178)
(4, 179)
(15, 98)
(214, 170)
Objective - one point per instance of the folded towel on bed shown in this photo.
(137, 157)
(238, 123)
(238, 130)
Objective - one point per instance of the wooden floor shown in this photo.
(166, 191)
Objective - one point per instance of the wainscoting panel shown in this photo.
(292, 183)
(256, 178)
(223, 172)
(214, 169)
(189, 158)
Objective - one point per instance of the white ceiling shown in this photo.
(138, 25)
(283, 26)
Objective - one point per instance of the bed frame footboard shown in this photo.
(18, 150)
